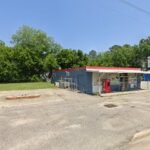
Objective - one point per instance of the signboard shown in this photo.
(149, 62)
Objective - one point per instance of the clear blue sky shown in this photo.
(78, 24)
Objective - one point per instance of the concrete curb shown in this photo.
(22, 97)
(141, 135)
(123, 93)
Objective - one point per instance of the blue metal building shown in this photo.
(80, 77)
(91, 79)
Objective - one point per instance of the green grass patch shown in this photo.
(26, 86)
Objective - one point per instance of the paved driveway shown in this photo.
(65, 120)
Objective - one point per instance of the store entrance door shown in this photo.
(106, 86)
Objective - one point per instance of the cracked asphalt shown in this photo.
(66, 120)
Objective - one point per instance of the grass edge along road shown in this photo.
(25, 86)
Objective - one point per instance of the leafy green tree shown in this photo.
(81, 59)
(144, 46)
(50, 64)
(2, 43)
(92, 54)
(32, 51)
(66, 58)
(144, 50)
(37, 40)
(92, 58)
(29, 64)
(8, 67)
(122, 55)
(104, 59)
(69, 58)
(137, 59)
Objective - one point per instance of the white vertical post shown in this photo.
(100, 85)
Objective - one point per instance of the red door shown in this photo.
(106, 86)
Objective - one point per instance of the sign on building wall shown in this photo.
(149, 62)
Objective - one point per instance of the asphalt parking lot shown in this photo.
(66, 120)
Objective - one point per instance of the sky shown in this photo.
(78, 24)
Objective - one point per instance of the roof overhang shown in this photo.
(146, 72)
(99, 69)
(115, 71)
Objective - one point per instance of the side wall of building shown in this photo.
(81, 78)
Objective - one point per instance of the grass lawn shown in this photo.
(25, 86)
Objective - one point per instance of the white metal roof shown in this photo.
(117, 71)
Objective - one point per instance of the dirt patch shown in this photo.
(110, 105)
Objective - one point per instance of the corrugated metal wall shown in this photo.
(82, 78)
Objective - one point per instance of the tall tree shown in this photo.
(8, 68)
(27, 37)
(68, 58)
(144, 50)
(50, 64)
(104, 59)
(32, 48)
(81, 59)
(92, 57)
(122, 55)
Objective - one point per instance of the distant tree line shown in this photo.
(34, 55)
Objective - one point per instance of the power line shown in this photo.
(131, 17)
(136, 7)
(137, 19)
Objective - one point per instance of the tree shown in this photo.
(104, 59)
(92, 57)
(68, 58)
(29, 64)
(8, 68)
(144, 46)
(33, 49)
(50, 63)
(81, 59)
(122, 56)
(2, 43)
(37, 40)
(92, 54)
(144, 50)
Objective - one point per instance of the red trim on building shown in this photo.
(112, 68)
(71, 69)
(98, 68)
